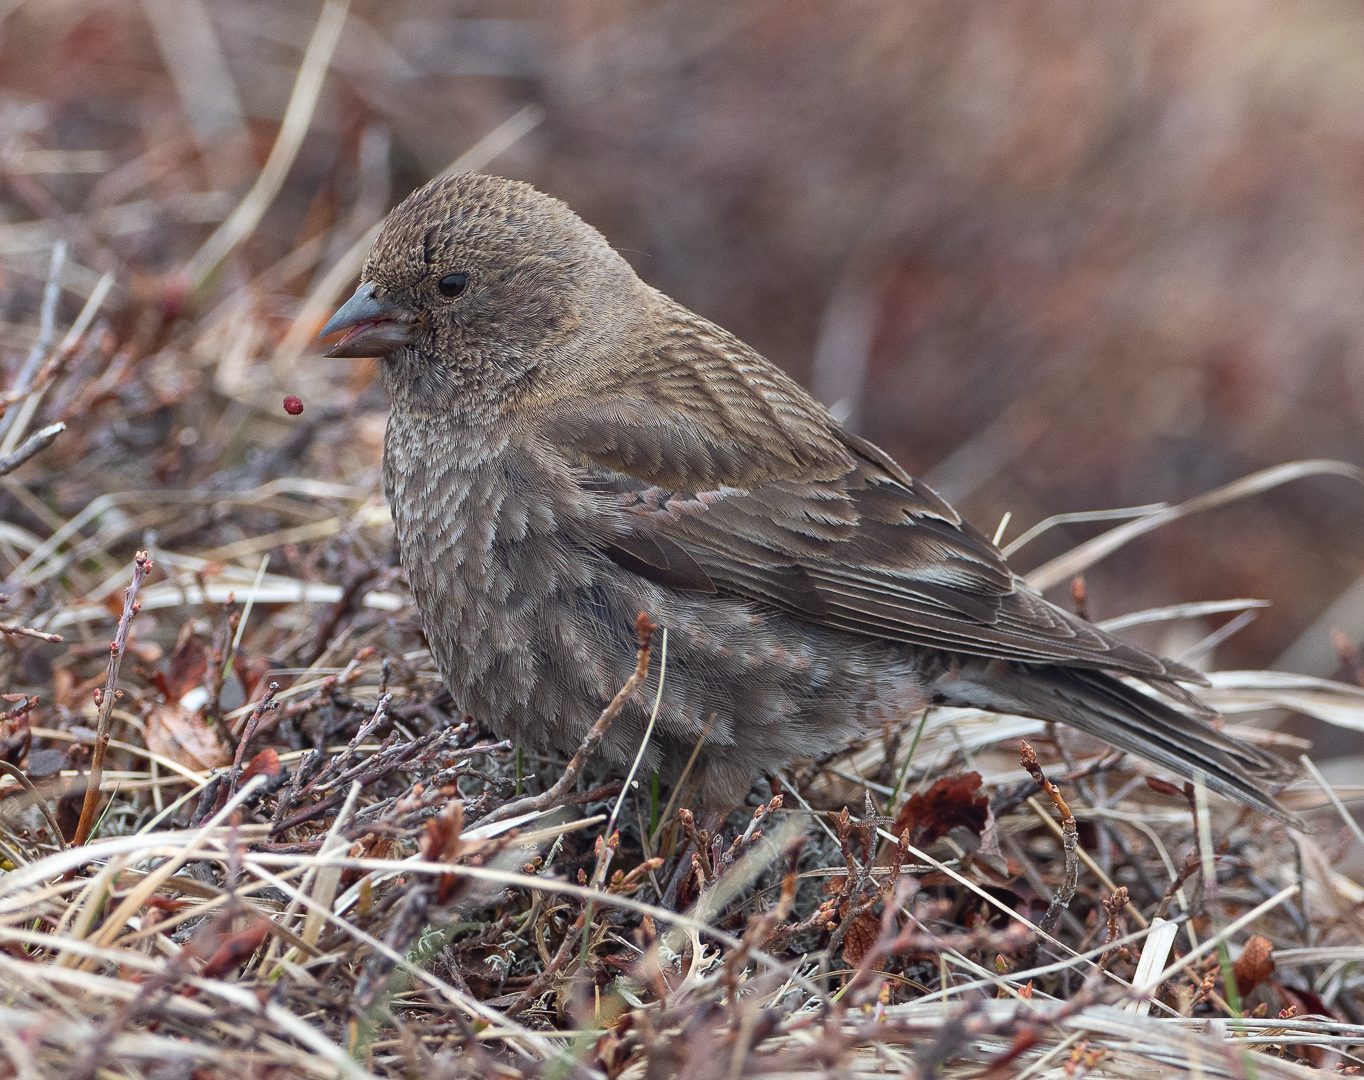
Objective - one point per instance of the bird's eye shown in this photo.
(451, 285)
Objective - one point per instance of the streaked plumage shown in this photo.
(568, 447)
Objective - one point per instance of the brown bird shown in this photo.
(568, 447)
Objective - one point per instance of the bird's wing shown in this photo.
(787, 510)
(697, 412)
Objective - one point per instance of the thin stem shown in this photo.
(142, 566)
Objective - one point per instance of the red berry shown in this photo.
(293, 406)
(174, 291)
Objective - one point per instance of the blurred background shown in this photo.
(1053, 256)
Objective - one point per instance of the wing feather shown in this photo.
(773, 502)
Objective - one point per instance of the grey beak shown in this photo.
(377, 326)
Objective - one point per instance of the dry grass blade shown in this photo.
(31, 395)
(297, 118)
(1077, 560)
(1324, 784)
(1180, 611)
(1078, 518)
(1242, 691)
(10, 426)
(1284, 894)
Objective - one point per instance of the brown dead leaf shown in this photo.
(176, 733)
(266, 763)
(952, 801)
(441, 842)
(860, 937)
(1254, 965)
(1155, 783)
(184, 668)
(63, 687)
(230, 949)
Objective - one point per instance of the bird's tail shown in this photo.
(1114, 712)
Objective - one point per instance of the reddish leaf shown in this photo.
(1164, 787)
(1025, 1040)
(235, 949)
(860, 937)
(266, 763)
(952, 801)
(185, 669)
(1255, 964)
(441, 842)
(165, 903)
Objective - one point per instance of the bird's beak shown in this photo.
(376, 326)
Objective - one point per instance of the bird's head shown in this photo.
(478, 289)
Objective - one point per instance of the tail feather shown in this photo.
(1111, 710)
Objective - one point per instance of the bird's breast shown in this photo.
(483, 525)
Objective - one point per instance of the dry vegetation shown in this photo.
(245, 832)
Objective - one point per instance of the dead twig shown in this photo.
(47, 329)
(34, 445)
(1192, 865)
(266, 704)
(18, 774)
(105, 699)
(1113, 905)
(761, 926)
(542, 981)
(1070, 842)
(28, 631)
(383, 764)
(297, 119)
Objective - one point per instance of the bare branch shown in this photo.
(1070, 842)
(32, 446)
(142, 566)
